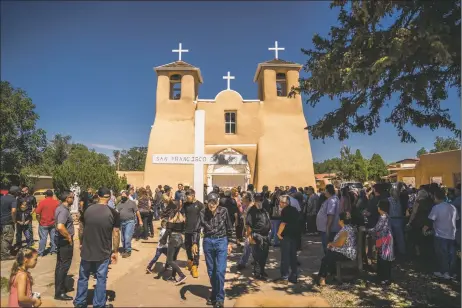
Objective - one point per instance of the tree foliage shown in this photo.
(353, 166)
(442, 144)
(133, 160)
(89, 169)
(377, 168)
(421, 151)
(21, 142)
(381, 48)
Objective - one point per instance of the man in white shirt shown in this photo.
(444, 217)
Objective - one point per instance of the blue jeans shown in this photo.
(99, 299)
(289, 258)
(246, 255)
(128, 228)
(216, 254)
(43, 234)
(27, 230)
(397, 229)
(274, 231)
(445, 251)
(325, 240)
(159, 252)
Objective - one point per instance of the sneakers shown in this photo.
(210, 302)
(148, 270)
(181, 280)
(194, 271)
(189, 265)
(438, 274)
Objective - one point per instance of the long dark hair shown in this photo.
(23, 254)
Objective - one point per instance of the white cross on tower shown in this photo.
(179, 50)
(228, 77)
(276, 49)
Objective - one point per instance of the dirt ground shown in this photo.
(129, 285)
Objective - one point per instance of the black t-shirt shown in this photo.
(7, 203)
(258, 220)
(231, 205)
(191, 212)
(98, 220)
(290, 216)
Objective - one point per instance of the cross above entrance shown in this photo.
(228, 77)
(179, 50)
(276, 49)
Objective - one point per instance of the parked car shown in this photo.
(39, 194)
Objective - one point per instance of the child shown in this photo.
(161, 249)
(384, 243)
(20, 284)
(23, 219)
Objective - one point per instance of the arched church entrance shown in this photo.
(228, 175)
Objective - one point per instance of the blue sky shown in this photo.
(88, 65)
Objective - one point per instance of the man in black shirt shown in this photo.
(99, 239)
(288, 233)
(230, 204)
(258, 227)
(65, 243)
(191, 209)
(8, 204)
(217, 231)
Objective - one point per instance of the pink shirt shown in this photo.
(13, 299)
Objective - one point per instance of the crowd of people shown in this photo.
(400, 222)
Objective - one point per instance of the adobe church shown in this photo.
(227, 141)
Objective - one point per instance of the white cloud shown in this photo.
(104, 146)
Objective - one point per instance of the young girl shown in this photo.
(161, 249)
(23, 219)
(384, 243)
(20, 284)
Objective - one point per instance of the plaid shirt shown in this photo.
(218, 225)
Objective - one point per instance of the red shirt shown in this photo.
(46, 210)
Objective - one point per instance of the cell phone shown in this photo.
(36, 295)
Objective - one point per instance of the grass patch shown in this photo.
(4, 284)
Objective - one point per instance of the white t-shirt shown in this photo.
(161, 234)
(444, 216)
(295, 204)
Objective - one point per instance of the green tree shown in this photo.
(442, 144)
(347, 167)
(380, 49)
(327, 166)
(21, 142)
(89, 169)
(134, 159)
(376, 168)
(116, 154)
(421, 151)
(361, 171)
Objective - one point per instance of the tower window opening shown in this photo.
(175, 87)
(281, 84)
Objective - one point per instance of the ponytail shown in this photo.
(23, 254)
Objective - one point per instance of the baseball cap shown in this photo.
(212, 197)
(123, 191)
(166, 187)
(104, 192)
(14, 190)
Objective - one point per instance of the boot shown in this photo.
(189, 265)
(194, 271)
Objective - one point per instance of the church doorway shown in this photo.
(228, 176)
